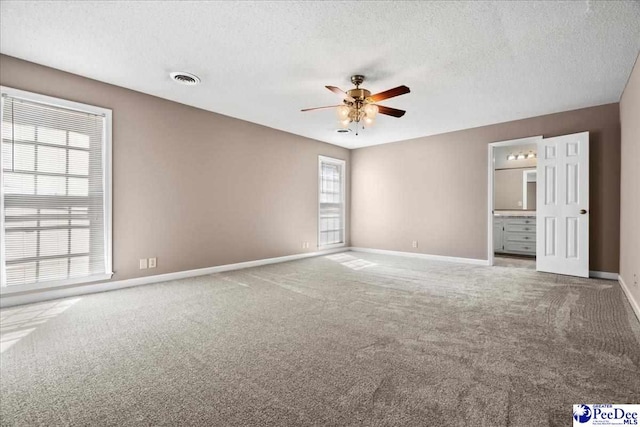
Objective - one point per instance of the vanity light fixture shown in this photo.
(521, 156)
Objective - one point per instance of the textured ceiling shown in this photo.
(467, 64)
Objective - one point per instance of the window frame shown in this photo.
(108, 191)
(343, 165)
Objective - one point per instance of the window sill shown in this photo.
(7, 290)
(336, 245)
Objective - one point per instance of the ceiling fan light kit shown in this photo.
(360, 107)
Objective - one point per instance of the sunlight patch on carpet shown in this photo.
(350, 261)
(16, 323)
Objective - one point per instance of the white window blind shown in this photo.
(331, 206)
(54, 193)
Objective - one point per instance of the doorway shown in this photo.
(512, 202)
(553, 226)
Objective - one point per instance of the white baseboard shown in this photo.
(593, 273)
(634, 304)
(424, 256)
(603, 275)
(9, 300)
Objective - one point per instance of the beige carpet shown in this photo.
(349, 339)
(515, 261)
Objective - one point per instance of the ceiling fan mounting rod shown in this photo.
(357, 79)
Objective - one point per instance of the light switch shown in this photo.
(143, 264)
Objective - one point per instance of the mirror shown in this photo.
(515, 189)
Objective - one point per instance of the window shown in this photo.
(331, 204)
(55, 192)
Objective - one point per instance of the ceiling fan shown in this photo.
(360, 106)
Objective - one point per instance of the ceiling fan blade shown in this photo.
(390, 111)
(396, 91)
(320, 108)
(340, 92)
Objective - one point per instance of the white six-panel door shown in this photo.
(563, 205)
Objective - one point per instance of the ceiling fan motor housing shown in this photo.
(359, 94)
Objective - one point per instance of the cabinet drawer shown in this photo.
(524, 228)
(520, 221)
(520, 237)
(529, 248)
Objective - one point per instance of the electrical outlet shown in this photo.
(152, 263)
(143, 263)
(635, 279)
(414, 244)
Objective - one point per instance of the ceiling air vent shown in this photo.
(185, 78)
(343, 130)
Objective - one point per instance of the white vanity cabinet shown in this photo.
(514, 234)
(497, 234)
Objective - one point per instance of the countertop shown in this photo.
(514, 213)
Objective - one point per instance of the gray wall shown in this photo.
(630, 188)
(434, 189)
(193, 188)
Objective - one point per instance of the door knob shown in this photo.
(583, 211)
